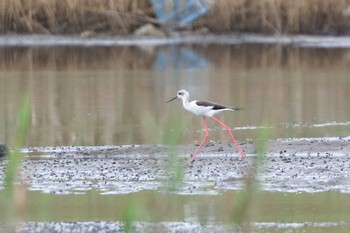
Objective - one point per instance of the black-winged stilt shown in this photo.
(206, 109)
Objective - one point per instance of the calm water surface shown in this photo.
(116, 95)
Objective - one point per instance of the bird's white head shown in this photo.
(182, 94)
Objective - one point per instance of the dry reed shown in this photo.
(70, 16)
(123, 17)
(280, 16)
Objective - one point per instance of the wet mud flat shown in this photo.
(291, 165)
(105, 226)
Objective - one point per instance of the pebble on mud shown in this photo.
(3, 149)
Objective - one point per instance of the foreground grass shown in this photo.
(14, 196)
(123, 17)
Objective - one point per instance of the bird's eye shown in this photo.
(180, 93)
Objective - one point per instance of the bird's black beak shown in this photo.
(171, 99)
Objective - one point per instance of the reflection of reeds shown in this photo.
(105, 58)
(94, 96)
(121, 17)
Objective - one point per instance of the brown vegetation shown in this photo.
(123, 17)
(70, 16)
(281, 16)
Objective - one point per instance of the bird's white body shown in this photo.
(205, 109)
(200, 110)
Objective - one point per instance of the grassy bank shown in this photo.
(123, 17)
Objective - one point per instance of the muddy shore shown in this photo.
(309, 165)
(292, 165)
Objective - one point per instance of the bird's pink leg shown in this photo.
(205, 138)
(229, 131)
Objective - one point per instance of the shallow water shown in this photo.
(97, 92)
(282, 207)
(269, 212)
(101, 95)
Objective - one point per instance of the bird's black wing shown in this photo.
(214, 105)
